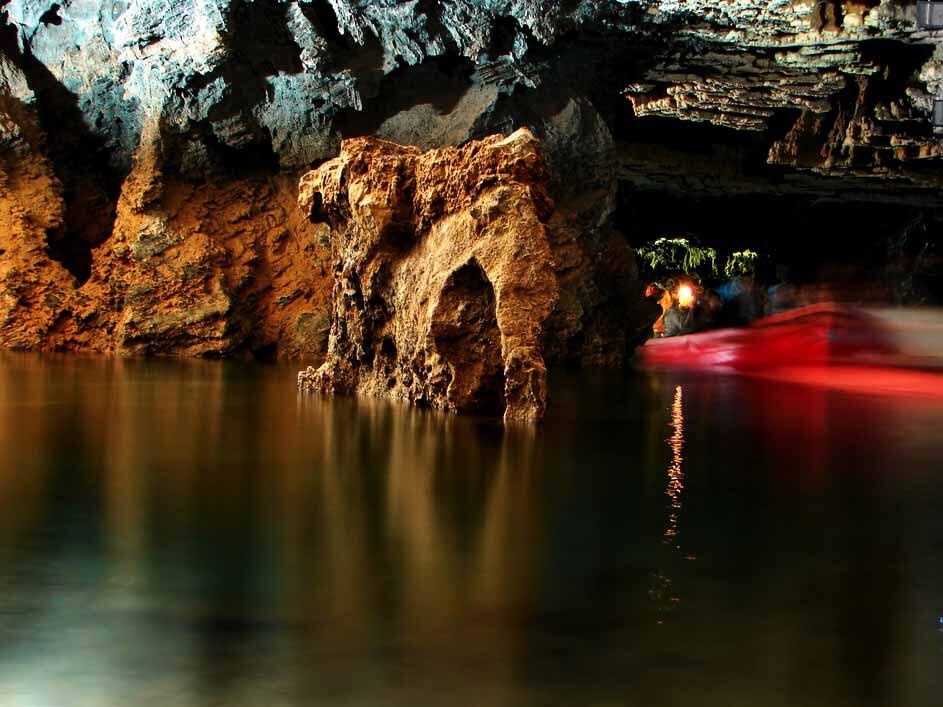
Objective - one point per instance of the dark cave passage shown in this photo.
(713, 185)
(852, 243)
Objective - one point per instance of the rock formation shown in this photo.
(32, 285)
(443, 273)
(296, 76)
(204, 268)
(209, 267)
(150, 151)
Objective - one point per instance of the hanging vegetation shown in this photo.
(741, 262)
(666, 258)
(671, 256)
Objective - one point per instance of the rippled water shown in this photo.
(197, 534)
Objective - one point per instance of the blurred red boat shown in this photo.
(819, 334)
(823, 344)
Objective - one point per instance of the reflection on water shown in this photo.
(194, 533)
(675, 472)
(663, 590)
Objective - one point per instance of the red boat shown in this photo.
(818, 334)
(823, 344)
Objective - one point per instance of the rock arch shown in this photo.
(466, 335)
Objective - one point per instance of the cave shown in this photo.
(424, 352)
(166, 180)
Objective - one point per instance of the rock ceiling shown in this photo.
(852, 82)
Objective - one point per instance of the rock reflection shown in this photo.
(189, 534)
(312, 530)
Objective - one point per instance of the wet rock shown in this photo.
(279, 74)
(216, 268)
(443, 273)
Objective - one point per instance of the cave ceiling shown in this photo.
(826, 88)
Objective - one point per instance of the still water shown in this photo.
(195, 533)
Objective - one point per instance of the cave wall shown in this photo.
(154, 148)
(32, 284)
(210, 266)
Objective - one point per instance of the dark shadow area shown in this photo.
(437, 81)
(901, 62)
(51, 16)
(262, 41)
(465, 329)
(261, 46)
(79, 157)
(874, 245)
(504, 31)
(365, 62)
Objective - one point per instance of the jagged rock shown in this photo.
(32, 285)
(207, 268)
(858, 72)
(204, 269)
(443, 273)
(600, 311)
(283, 74)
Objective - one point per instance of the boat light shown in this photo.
(685, 295)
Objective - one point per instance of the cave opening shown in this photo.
(466, 335)
(713, 186)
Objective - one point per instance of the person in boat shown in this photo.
(680, 315)
(686, 307)
(707, 306)
(783, 295)
(678, 320)
(661, 295)
(742, 300)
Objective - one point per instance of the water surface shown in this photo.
(196, 533)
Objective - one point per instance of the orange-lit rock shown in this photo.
(210, 268)
(32, 285)
(443, 273)
(215, 267)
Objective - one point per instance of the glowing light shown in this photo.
(685, 295)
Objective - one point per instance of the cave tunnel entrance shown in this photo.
(466, 335)
(879, 242)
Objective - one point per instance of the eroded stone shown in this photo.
(443, 273)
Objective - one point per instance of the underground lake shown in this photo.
(181, 532)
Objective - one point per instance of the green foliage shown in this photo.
(668, 256)
(741, 262)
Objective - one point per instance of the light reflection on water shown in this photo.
(675, 472)
(196, 534)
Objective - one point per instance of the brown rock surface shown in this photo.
(443, 273)
(215, 267)
(858, 80)
(207, 268)
(32, 285)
